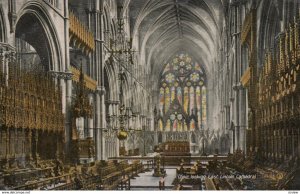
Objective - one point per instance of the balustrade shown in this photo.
(80, 36)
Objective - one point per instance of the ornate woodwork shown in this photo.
(80, 148)
(90, 83)
(248, 37)
(31, 115)
(103, 175)
(33, 101)
(279, 97)
(175, 148)
(274, 97)
(246, 78)
(80, 36)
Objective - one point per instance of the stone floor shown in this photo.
(146, 181)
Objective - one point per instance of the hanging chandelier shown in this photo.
(121, 47)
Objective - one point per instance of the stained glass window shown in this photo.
(186, 99)
(182, 95)
(199, 105)
(167, 99)
(170, 78)
(175, 125)
(168, 125)
(161, 99)
(167, 68)
(204, 105)
(172, 93)
(192, 105)
(185, 127)
(192, 125)
(160, 123)
(179, 95)
(179, 126)
(195, 77)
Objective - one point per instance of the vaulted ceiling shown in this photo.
(161, 28)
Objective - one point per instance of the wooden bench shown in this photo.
(137, 167)
(110, 175)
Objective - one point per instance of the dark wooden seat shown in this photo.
(173, 152)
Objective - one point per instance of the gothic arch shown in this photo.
(111, 7)
(193, 137)
(143, 102)
(107, 86)
(135, 93)
(203, 145)
(126, 90)
(109, 81)
(214, 144)
(106, 20)
(183, 94)
(35, 26)
(3, 36)
(160, 138)
(269, 27)
(224, 144)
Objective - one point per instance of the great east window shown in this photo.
(182, 95)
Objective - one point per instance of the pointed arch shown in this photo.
(181, 97)
(3, 34)
(35, 26)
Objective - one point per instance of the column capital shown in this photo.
(226, 106)
(237, 87)
(109, 102)
(7, 47)
(115, 102)
(235, 3)
(280, 35)
(62, 75)
(95, 11)
(101, 90)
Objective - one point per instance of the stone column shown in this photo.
(4, 63)
(100, 123)
(190, 140)
(90, 123)
(116, 112)
(79, 127)
(67, 97)
(164, 137)
(232, 119)
(98, 130)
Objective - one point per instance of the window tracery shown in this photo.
(182, 95)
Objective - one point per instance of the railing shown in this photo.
(43, 184)
(80, 36)
(192, 158)
(246, 77)
(89, 82)
(247, 26)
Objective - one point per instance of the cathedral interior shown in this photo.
(149, 95)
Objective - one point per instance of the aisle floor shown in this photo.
(146, 180)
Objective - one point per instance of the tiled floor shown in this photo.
(146, 180)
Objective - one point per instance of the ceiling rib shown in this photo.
(178, 18)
